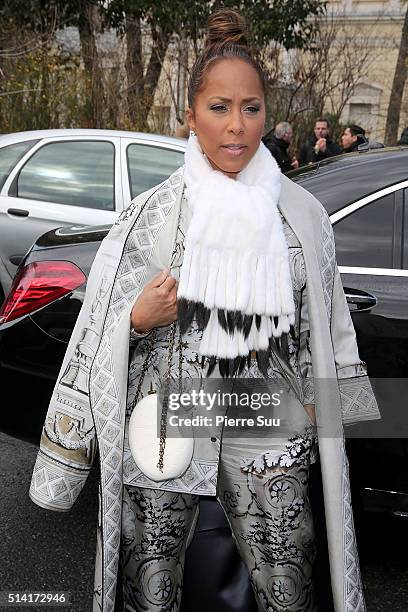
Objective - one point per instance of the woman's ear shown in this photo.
(190, 119)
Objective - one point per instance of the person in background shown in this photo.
(278, 142)
(319, 146)
(404, 137)
(353, 136)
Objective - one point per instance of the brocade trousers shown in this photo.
(264, 494)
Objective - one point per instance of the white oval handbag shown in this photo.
(159, 457)
(144, 443)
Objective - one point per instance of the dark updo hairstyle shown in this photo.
(226, 38)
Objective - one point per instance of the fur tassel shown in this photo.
(215, 338)
(270, 305)
(241, 365)
(211, 365)
(238, 320)
(203, 279)
(202, 315)
(262, 359)
(222, 365)
(263, 342)
(212, 279)
(231, 284)
(247, 325)
(230, 321)
(222, 320)
(244, 268)
(235, 366)
(186, 311)
(220, 290)
(260, 285)
(193, 280)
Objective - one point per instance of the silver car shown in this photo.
(52, 178)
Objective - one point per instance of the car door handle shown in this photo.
(18, 212)
(361, 300)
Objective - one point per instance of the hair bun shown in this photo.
(226, 26)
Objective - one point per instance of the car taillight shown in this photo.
(38, 284)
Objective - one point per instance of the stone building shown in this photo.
(380, 23)
(373, 25)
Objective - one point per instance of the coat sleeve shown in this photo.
(358, 402)
(68, 442)
(357, 397)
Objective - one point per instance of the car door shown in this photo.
(146, 164)
(373, 265)
(60, 181)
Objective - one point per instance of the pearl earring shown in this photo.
(192, 133)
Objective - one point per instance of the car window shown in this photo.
(77, 173)
(338, 181)
(148, 166)
(10, 155)
(365, 237)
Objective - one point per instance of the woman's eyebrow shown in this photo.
(222, 99)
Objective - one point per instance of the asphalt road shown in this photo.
(42, 550)
(50, 551)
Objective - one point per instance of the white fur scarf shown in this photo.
(236, 262)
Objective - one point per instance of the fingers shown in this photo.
(168, 285)
(159, 278)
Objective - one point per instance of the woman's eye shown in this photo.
(218, 108)
(252, 109)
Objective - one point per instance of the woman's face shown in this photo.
(229, 115)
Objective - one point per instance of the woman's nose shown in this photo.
(236, 124)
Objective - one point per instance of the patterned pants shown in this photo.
(266, 502)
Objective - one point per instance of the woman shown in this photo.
(245, 243)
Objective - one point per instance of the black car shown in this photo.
(366, 196)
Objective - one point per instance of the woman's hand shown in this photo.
(157, 304)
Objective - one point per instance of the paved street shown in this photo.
(42, 550)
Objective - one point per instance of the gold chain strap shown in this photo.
(149, 349)
(165, 402)
(164, 407)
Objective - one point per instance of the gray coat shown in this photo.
(88, 405)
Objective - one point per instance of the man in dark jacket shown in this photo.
(404, 137)
(278, 141)
(320, 146)
(353, 137)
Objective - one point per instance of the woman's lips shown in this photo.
(234, 150)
